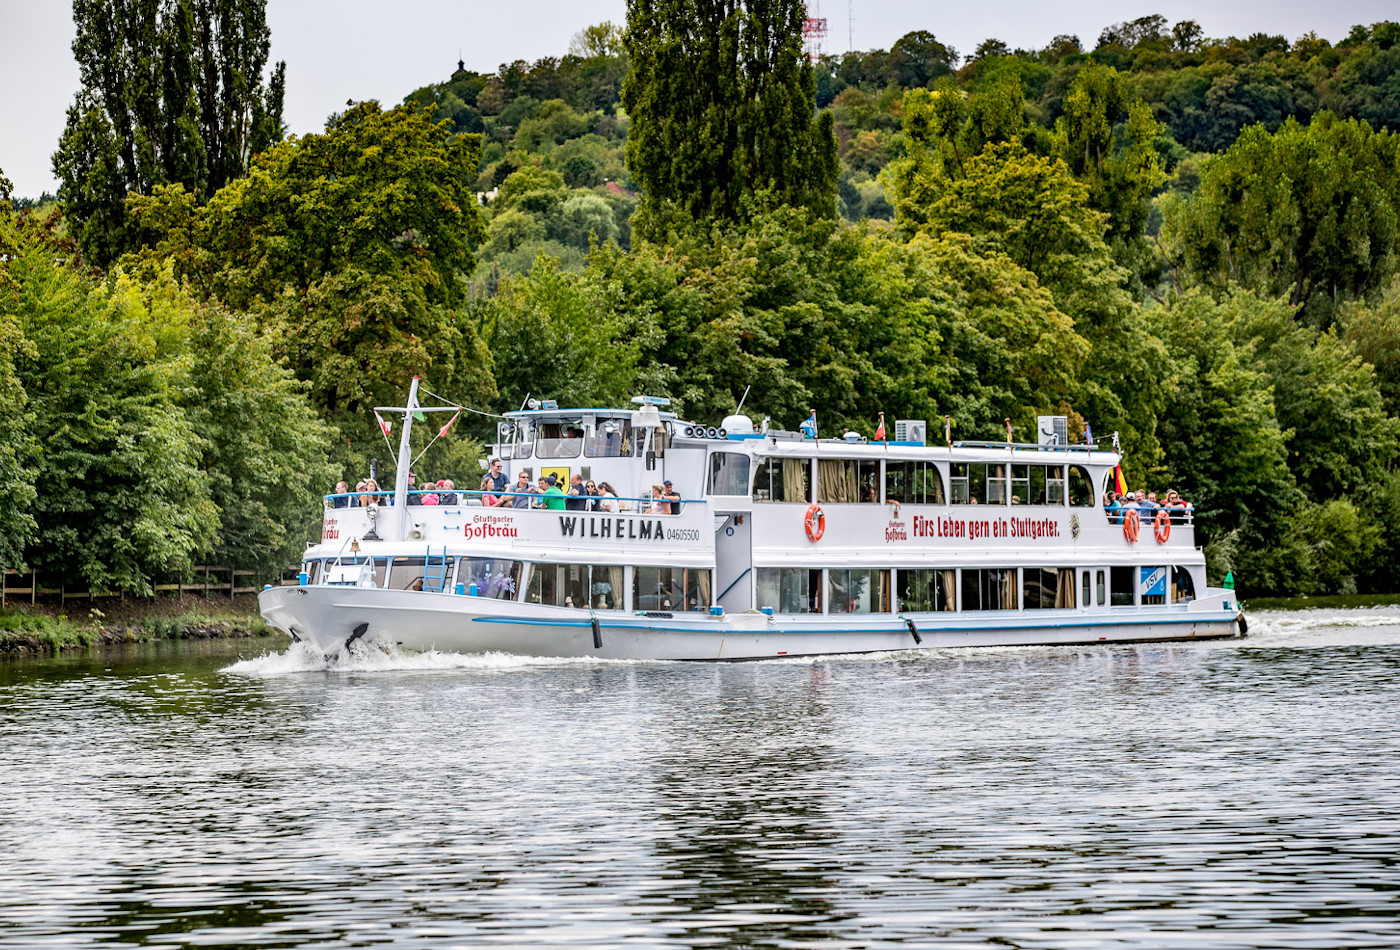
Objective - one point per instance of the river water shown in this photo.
(1229, 794)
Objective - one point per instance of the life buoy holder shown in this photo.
(1162, 526)
(1132, 524)
(815, 523)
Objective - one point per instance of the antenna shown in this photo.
(740, 408)
(813, 30)
(851, 25)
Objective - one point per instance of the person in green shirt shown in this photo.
(553, 496)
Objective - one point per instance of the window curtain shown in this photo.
(1008, 587)
(1065, 600)
(836, 481)
(703, 579)
(794, 488)
(950, 590)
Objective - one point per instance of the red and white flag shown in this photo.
(443, 431)
(383, 424)
(880, 429)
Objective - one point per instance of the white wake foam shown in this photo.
(373, 658)
(1296, 623)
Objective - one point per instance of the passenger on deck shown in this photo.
(553, 494)
(1114, 508)
(371, 496)
(522, 490)
(447, 494)
(341, 499)
(591, 490)
(414, 498)
(672, 499)
(429, 496)
(497, 475)
(578, 499)
(607, 498)
(658, 505)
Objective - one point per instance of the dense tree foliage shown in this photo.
(721, 98)
(173, 92)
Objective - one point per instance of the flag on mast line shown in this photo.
(443, 431)
(880, 429)
(1120, 484)
(383, 424)
(809, 428)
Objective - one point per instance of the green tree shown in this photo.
(172, 92)
(17, 448)
(722, 101)
(1374, 332)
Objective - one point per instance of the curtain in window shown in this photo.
(704, 584)
(794, 487)
(1008, 587)
(836, 481)
(1066, 598)
(950, 591)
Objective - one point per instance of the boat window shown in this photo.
(729, 473)
(846, 481)
(992, 588)
(780, 479)
(913, 483)
(558, 585)
(1081, 489)
(1183, 588)
(524, 439)
(1099, 582)
(497, 578)
(858, 591)
(1085, 596)
(996, 484)
(926, 590)
(406, 573)
(789, 590)
(1120, 587)
(670, 588)
(610, 438)
(1021, 483)
(958, 483)
(1055, 485)
(312, 570)
(559, 440)
(1152, 585)
(1048, 588)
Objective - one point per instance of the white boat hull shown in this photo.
(328, 616)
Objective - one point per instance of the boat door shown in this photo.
(734, 561)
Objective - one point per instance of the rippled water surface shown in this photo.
(1232, 794)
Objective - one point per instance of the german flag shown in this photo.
(1120, 484)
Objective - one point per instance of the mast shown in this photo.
(405, 459)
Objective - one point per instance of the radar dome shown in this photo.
(738, 425)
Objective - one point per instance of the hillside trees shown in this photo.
(173, 92)
(721, 96)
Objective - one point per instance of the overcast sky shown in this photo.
(359, 49)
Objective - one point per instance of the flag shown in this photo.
(419, 417)
(443, 431)
(1120, 484)
(948, 430)
(1088, 435)
(809, 428)
(383, 424)
(880, 429)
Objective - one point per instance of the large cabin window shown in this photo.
(996, 484)
(789, 590)
(497, 578)
(559, 440)
(1021, 483)
(576, 585)
(926, 590)
(857, 591)
(1055, 485)
(783, 479)
(1049, 588)
(913, 483)
(848, 481)
(610, 438)
(729, 473)
(989, 588)
(1120, 586)
(1081, 488)
(670, 588)
(977, 483)
(1183, 588)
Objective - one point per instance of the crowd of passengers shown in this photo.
(546, 492)
(1145, 503)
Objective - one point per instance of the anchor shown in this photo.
(358, 632)
(913, 631)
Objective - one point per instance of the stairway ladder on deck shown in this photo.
(435, 570)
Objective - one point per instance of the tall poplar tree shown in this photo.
(722, 99)
(173, 92)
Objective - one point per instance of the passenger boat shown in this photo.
(780, 545)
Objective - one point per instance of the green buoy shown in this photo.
(1229, 582)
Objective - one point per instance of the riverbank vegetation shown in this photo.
(75, 626)
(1191, 242)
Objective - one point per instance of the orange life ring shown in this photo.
(815, 523)
(1162, 526)
(1132, 524)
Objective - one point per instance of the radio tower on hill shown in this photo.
(813, 30)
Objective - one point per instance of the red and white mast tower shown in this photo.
(813, 30)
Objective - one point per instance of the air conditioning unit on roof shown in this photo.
(1053, 430)
(911, 430)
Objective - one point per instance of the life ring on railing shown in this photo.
(1132, 524)
(815, 523)
(1162, 526)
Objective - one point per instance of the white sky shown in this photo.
(358, 49)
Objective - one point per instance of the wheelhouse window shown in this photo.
(927, 589)
(609, 438)
(496, 578)
(848, 481)
(407, 573)
(559, 440)
(1049, 588)
(789, 590)
(991, 588)
(576, 585)
(1120, 586)
(1081, 488)
(729, 473)
(913, 483)
(857, 591)
(670, 588)
(524, 436)
(783, 479)
(1183, 588)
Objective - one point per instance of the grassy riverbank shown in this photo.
(45, 629)
(1332, 601)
